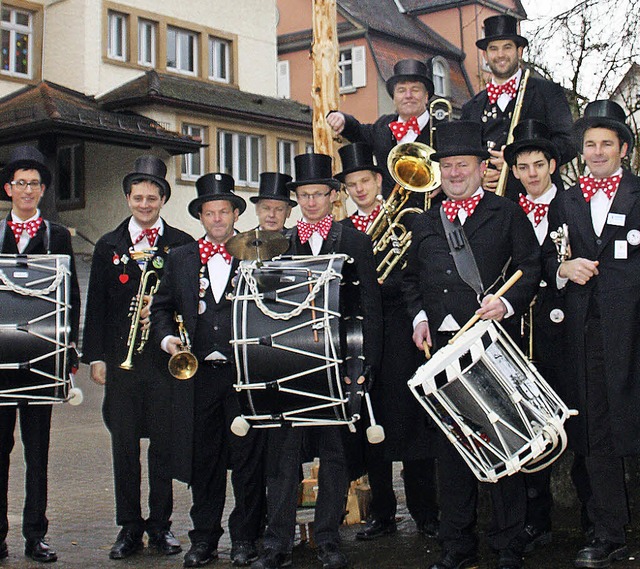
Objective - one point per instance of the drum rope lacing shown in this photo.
(60, 273)
(327, 275)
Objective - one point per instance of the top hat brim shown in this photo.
(256, 199)
(134, 177)
(331, 182)
(236, 201)
(10, 169)
(393, 81)
(585, 123)
(520, 41)
(341, 175)
(461, 151)
(512, 149)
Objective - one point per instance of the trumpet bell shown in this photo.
(411, 167)
(183, 365)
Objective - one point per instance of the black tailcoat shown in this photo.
(615, 290)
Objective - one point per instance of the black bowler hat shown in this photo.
(502, 27)
(211, 187)
(531, 134)
(356, 157)
(312, 168)
(148, 168)
(606, 114)
(459, 138)
(24, 158)
(411, 70)
(273, 186)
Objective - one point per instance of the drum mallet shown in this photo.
(504, 288)
(375, 432)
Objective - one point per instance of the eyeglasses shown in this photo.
(308, 197)
(22, 184)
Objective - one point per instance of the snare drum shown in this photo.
(492, 404)
(290, 342)
(34, 329)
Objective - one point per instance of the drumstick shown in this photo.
(313, 312)
(504, 288)
(427, 351)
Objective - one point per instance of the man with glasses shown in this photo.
(25, 179)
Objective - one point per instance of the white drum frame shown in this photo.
(540, 438)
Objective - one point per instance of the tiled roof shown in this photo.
(49, 108)
(426, 6)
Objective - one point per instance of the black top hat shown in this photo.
(411, 70)
(531, 134)
(313, 168)
(212, 187)
(502, 27)
(24, 158)
(607, 114)
(356, 157)
(149, 168)
(459, 138)
(273, 186)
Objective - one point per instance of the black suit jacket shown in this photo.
(616, 293)
(544, 101)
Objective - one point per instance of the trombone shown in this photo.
(183, 364)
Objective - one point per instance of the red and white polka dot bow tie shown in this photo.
(539, 209)
(361, 222)
(306, 230)
(151, 235)
(452, 207)
(590, 186)
(494, 91)
(399, 129)
(31, 227)
(208, 250)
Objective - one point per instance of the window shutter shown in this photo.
(358, 55)
(284, 87)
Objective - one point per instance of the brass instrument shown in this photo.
(515, 119)
(183, 364)
(560, 238)
(437, 115)
(149, 283)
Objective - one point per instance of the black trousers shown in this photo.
(283, 477)
(136, 406)
(35, 426)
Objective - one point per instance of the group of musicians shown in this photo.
(585, 327)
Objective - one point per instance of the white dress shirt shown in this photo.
(24, 236)
(411, 136)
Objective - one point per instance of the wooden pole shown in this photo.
(324, 91)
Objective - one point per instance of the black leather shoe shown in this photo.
(272, 559)
(531, 538)
(4, 551)
(600, 553)
(377, 527)
(40, 551)
(456, 560)
(429, 529)
(243, 553)
(200, 554)
(164, 542)
(331, 557)
(509, 559)
(127, 543)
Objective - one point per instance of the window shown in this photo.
(284, 85)
(440, 76)
(182, 50)
(286, 152)
(117, 38)
(219, 60)
(70, 176)
(146, 43)
(351, 68)
(17, 42)
(240, 155)
(193, 165)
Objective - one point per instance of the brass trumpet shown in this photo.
(149, 283)
(183, 364)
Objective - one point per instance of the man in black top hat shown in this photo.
(440, 301)
(197, 279)
(273, 202)
(402, 417)
(410, 87)
(318, 234)
(493, 107)
(600, 279)
(137, 401)
(24, 180)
